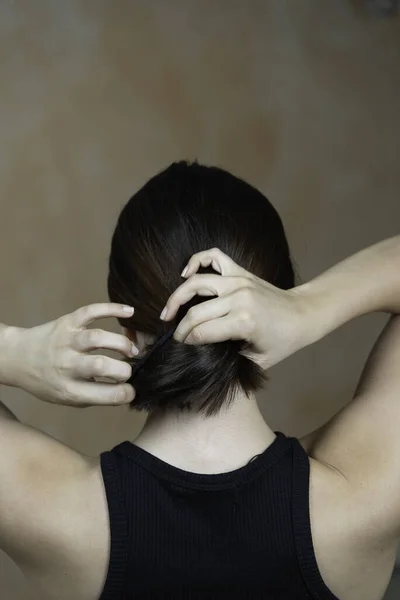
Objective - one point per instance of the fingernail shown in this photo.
(185, 270)
(135, 351)
(163, 314)
(128, 309)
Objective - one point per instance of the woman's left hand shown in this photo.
(53, 363)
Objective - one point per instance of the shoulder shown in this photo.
(57, 519)
(39, 477)
(346, 446)
(72, 555)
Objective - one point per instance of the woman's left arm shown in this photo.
(40, 475)
(53, 363)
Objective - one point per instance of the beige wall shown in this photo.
(300, 98)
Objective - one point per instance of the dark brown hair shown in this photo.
(185, 209)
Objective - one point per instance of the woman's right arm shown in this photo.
(362, 440)
(366, 282)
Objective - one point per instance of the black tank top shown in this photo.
(179, 535)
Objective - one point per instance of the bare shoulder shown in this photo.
(348, 445)
(355, 556)
(92, 554)
(362, 439)
(80, 557)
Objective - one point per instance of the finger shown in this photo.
(219, 261)
(93, 339)
(201, 313)
(87, 314)
(88, 367)
(201, 285)
(102, 394)
(217, 330)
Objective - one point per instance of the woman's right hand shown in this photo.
(272, 320)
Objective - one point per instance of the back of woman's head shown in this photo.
(185, 209)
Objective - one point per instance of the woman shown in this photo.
(207, 501)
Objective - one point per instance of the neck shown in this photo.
(235, 434)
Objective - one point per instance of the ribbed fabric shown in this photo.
(179, 535)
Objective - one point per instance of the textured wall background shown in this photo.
(300, 98)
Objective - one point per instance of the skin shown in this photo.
(353, 457)
(177, 435)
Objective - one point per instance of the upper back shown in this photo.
(284, 525)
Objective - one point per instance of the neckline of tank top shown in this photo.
(229, 479)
